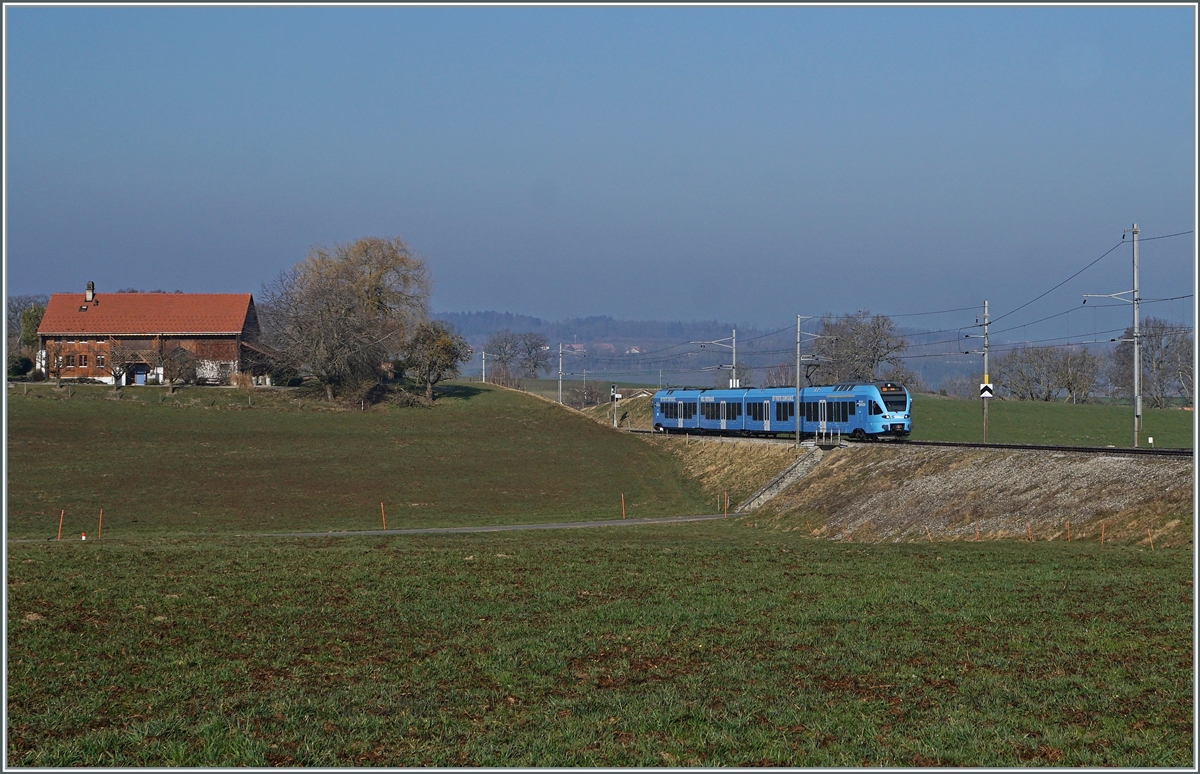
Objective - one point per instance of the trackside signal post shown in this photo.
(986, 389)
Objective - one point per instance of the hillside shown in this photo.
(211, 461)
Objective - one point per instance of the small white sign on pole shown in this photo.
(986, 391)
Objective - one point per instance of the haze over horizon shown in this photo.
(741, 164)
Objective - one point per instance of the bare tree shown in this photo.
(1160, 378)
(338, 315)
(1077, 372)
(1028, 373)
(962, 387)
(178, 367)
(1182, 364)
(23, 316)
(389, 279)
(533, 353)
(54, 361)
(586, 395)
(434, 353)
(504, 349)
(121, 358)
(781, 375)
(856, 347)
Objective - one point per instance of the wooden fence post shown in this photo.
(60, 521)
(622, 505)
(383, 513)
(100, 530)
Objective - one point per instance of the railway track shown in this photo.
(1118, 450)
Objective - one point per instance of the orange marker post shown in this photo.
(1029, 531)
(622, 505)
(1150, 535)
(60, 520)
(1101, 534)
(100, 528)
(928, 534)
(383, 514)
(1068, 530)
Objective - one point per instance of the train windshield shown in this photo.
(895, 401)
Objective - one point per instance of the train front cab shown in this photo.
(676, 410)
(888, 410)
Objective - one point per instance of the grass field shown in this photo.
(705, 644)
(1065, 424)
(205, 461)
(174, 642)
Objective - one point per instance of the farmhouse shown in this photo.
(82, 335)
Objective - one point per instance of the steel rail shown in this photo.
(1121, 450)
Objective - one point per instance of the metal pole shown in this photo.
(797, 381)
(1137, 350)
(560, 373)
(484, 365)
(735, 381)
(985, 370)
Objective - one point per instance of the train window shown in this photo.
(876, 409)
(733, 410)
(849, 410)
(670, 410)
(689, 410)
(784, 411)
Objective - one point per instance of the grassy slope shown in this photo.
(704, 644)
(481, 456)
(945, 419)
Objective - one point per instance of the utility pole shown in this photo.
(798, 318)
(985, 398)
(484, 365)
(798, 361)
(1137, 350)
(1135, 299)
(734, 383)
(560, 373)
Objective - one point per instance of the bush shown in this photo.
(37, 375)
(19, 365)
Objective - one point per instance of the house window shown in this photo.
(100, 361)
(70, 361)
(83, 361)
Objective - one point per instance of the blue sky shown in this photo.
(647, 163)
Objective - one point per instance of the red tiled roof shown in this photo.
(146, 313)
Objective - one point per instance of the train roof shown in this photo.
(884, 387)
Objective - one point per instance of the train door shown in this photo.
(722, 414)
(821, 416)
(766, 415)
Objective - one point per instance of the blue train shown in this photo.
(860, 411)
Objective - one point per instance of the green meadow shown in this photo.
(704, 644)
(210, 461)
(1054, 423)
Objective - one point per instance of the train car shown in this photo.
(861, 411)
